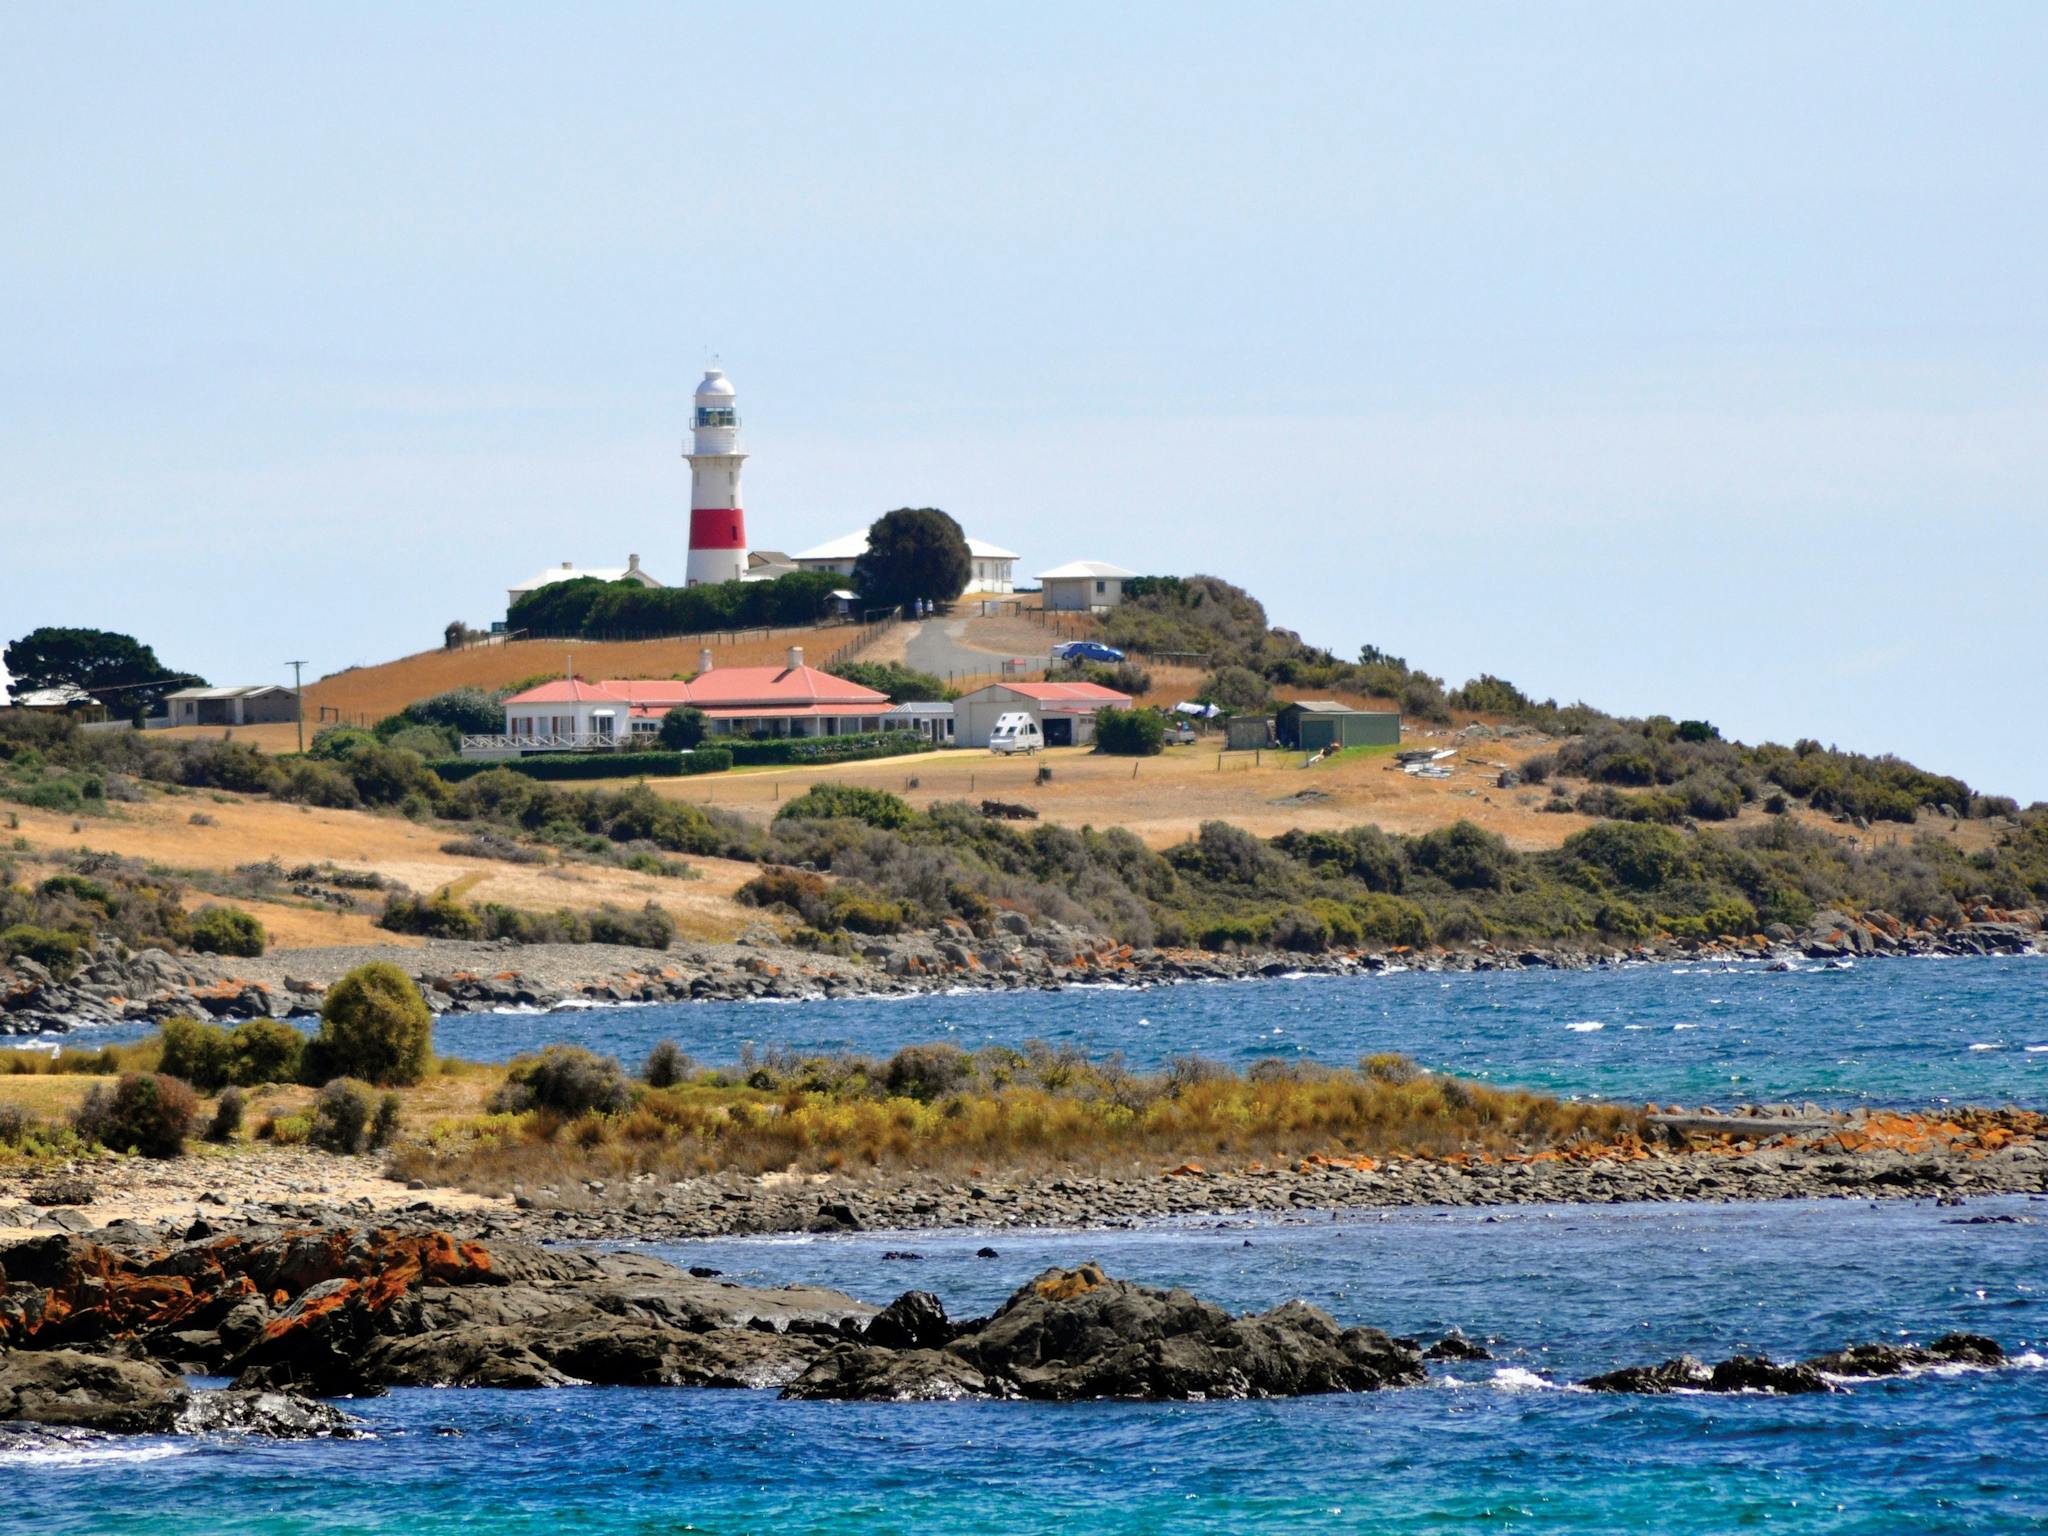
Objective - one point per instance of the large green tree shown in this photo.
(913, 553)
(118, 670)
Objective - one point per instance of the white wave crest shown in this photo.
(92, 1455)
(1585, 1026)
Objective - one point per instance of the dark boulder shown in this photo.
(68, 1387)
(1894, 1359)
(1755, 1373)
(1455, 1346)
(914, 1320)
(860, 1373)
(1677, 1375)
(1073, 1334)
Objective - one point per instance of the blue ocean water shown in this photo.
(1493, 1445)
(1500, 1445)
(1906, 1032)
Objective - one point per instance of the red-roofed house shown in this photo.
(1065, 712)
(570, 715)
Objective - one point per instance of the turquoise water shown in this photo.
(1489, 1445)
(1500, 1445)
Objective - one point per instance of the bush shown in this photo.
(375, 1025)
(566, 1079)
(227, 931)
(1239, 690)
(341, 1116)
(1637, 855)
(682, 728)
(439, 916)
(927, 1072)
(195, 1052)
(264, 1051)
(903, 685)
(649, 928)
(1465, 856)
(708, 760)
(824, 802)
(1130, 732)
(384, 1124)
(666, 1065)
(227, 1115)
(146, 1112)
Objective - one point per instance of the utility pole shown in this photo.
(298, 701)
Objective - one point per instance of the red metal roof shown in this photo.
(1067, 693)
(724, 688)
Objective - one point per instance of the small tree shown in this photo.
(682, 728)
(341, 1116)
(1130, 732)
(1238, 689)
(914, 554)
(876, 807)
(374, 1025)
(566, 1079)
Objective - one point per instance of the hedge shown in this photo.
(568, 765)
(826, 749)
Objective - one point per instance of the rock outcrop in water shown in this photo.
(1755, 1373)
(1072, 1334)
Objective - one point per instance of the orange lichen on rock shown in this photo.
(1065, 1284)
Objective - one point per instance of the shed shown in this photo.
(1246, 733)
(1083, 585)
(1065, 712)
(1312, 724)
(251, 704)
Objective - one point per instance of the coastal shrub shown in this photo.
(853, 908)
(195, 1052)
(309, 782)
(716, 759)
(1130, 732)
(384, 1124)
(1622, 919)
(374, 1025)
(799, 890)
(146, 1112)
(228, 1111)
(263, 1051)
(428, 741)
(1465, 856)
(902, 684)
(649, 928)
(874, 807)
(566, 1079)
(666, 1065)
(1389, 1067)
(439, 916)
(341, 1116)
(220, 930)
(286, 1130)
(1638, 856)
(682, 728)
(927, 1072)
(459, 712)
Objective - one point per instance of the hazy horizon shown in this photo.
(1692, 363)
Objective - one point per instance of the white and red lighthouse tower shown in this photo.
(718, 519)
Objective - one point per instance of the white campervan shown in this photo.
(1015, 733)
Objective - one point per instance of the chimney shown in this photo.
(567, 566)
(704, 660)
(632, 562)
(796, 657)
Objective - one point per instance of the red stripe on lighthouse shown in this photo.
(718, 528)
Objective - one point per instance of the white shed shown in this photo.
(1083, 585)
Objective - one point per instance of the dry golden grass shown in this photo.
(700, 1128)
(246, 829)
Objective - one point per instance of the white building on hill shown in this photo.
(630, 571)
(991, 567)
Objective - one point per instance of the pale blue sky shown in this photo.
(1680, 358)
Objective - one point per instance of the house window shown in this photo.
(1101, 587)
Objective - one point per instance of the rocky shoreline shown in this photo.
(1772, 1153)
(97, 1334)
(1013, 954)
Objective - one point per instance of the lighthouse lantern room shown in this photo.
(718, 519)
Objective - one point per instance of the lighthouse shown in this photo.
(718, 519)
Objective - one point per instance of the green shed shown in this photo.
(1312, 724)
